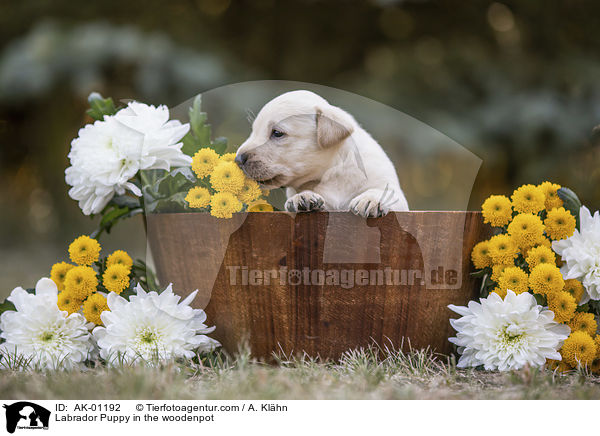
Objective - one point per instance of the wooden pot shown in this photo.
(321, 283)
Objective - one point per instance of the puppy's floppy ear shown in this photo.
(333, 125)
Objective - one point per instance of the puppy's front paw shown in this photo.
(306, 201)
(369, 205)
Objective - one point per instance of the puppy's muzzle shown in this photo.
(241, 159)
(255, 169)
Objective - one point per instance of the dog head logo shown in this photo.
(26, 415)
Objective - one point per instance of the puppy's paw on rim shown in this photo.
(306, 201)
(369, 205)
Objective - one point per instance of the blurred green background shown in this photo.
(517, 83)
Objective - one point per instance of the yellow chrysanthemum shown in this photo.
(497, 271)
(538, 255)
(68, 303)
(585, 322)
(224, 204)
(116, 278)
(515, 279)
(527, 230)
(198, 197)
(260, 206)
(93, 307)
(528, 199)
(120, 257)
(596, 364)
(84, 250)
(249, 192)
(503, 249)
(501, 292)
(228, 157)
(562, 305)
(204, 161)
(579, 349)
(59, 273)
(560, 224)
(544, 242)
(481, 255)
(563, 367)
(81, 282)
(552, 198)
(497, 210)
(227, 177)
(558, 365)
(575, 288)
(546, 279)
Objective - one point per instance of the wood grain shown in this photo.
(326, 318)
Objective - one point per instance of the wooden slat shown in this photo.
(195, 250)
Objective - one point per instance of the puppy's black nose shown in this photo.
(241, 159)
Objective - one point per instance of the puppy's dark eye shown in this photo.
(277, 133)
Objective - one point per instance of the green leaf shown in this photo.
(111, 217)
(101, 266)
(479, 273)
(185, 172)
(168, 192)
(197, 117)
(100, 106)
(145, 276)
(483, 288)
(220, 145)
(198, 120)
(149, 196)
(128, 292)
(594, 306)
(173, 184)
(200, 133)
(151, 206)
(6, 305)
(126, 201)
(190, 145)
(173, 203)
(570, 202)
(540, 299)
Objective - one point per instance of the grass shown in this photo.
(359, 374)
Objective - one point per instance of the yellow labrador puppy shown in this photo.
(322, 156)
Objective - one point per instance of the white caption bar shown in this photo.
(286, 417)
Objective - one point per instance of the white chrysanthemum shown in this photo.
(506, 334)
(108, 154)
(40, 334)
(152, 327)
(162, 149)
(581, 252)
(104, 158)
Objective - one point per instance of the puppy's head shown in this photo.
(293, 139)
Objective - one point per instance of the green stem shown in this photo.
(141, 177)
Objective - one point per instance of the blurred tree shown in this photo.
(515, 82)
